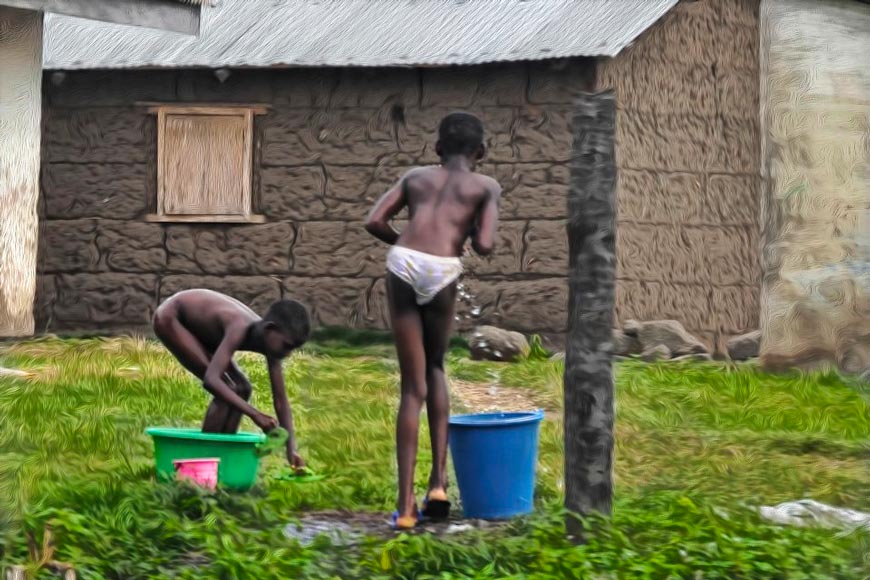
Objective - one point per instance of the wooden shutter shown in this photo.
(204, 164)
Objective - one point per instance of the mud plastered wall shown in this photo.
(688, 155)
(334, 140)
(331, 144)
(816, 100)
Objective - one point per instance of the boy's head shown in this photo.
(286, 327)
(460, 134)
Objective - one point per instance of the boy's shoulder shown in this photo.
(489, 183)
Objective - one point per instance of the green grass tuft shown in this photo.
(697, 445)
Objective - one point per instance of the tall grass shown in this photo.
(691, 439)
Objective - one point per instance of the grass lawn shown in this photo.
(697, 446)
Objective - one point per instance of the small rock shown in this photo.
(558, 356)
(671, 334)
(658, 352)
(744, 346)
(625, 344)
(496, 344)
(631, 328)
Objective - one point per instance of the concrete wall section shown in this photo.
(816, 114)
(20, 114)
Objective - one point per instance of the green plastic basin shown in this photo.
(239, 461)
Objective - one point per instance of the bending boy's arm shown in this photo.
(483, 238)
(214, 378)
(282, 406)
(390, 204)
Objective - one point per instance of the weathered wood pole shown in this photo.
(588, 381)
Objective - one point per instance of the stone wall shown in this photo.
(330, 145)
(334, 140)
(689, 178)
(816, 103)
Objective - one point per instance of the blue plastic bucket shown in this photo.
(494, 456)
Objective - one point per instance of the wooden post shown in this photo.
(591, 284)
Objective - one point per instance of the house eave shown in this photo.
(169, 15)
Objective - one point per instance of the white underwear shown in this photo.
(426, 274)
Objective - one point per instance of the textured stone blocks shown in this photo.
(333, 301)
(662, 198)
(533, 190)
(337, 249)
(686, 303)
(737, 308)
(115, 191)
(221, 250)
(546, 248)
(682, 89)
(90, 301)
(109, 135)
(131, 246)
(689, 254)
(507, 257)
(734, 199)
(534, 305)
(338, 136)
(292, 193)
(68, 246)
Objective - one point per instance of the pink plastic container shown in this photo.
(202, 471)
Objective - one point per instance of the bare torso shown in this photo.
(442, 207)
(207, 314)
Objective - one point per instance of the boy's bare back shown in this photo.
(444, 206)
(208, 315)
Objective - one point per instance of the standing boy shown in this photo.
(447, 204)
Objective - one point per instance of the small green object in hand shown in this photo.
(276, 440)
(302, 475)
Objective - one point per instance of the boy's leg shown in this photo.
(240, 384)
(408, 332)
(437, 325)
(195, 358)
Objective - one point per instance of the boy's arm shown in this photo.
(214, 378)
(390, 204)
(483, 236)
(283, 410)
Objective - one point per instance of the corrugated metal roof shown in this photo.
(266, 33)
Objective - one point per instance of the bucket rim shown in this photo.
(197, 460)
(508, 418)
(245, 437)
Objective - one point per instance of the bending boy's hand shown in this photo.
(294, 459)
(265, 422)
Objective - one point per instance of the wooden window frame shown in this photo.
(246, 112)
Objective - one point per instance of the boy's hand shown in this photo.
(265, 422)
(294, 459)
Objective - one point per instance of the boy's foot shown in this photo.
(405, 522)
(435, 505)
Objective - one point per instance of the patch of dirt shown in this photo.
(347, 528)
(483, 398)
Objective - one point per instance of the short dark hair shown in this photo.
(460, 134)
(291, 317)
